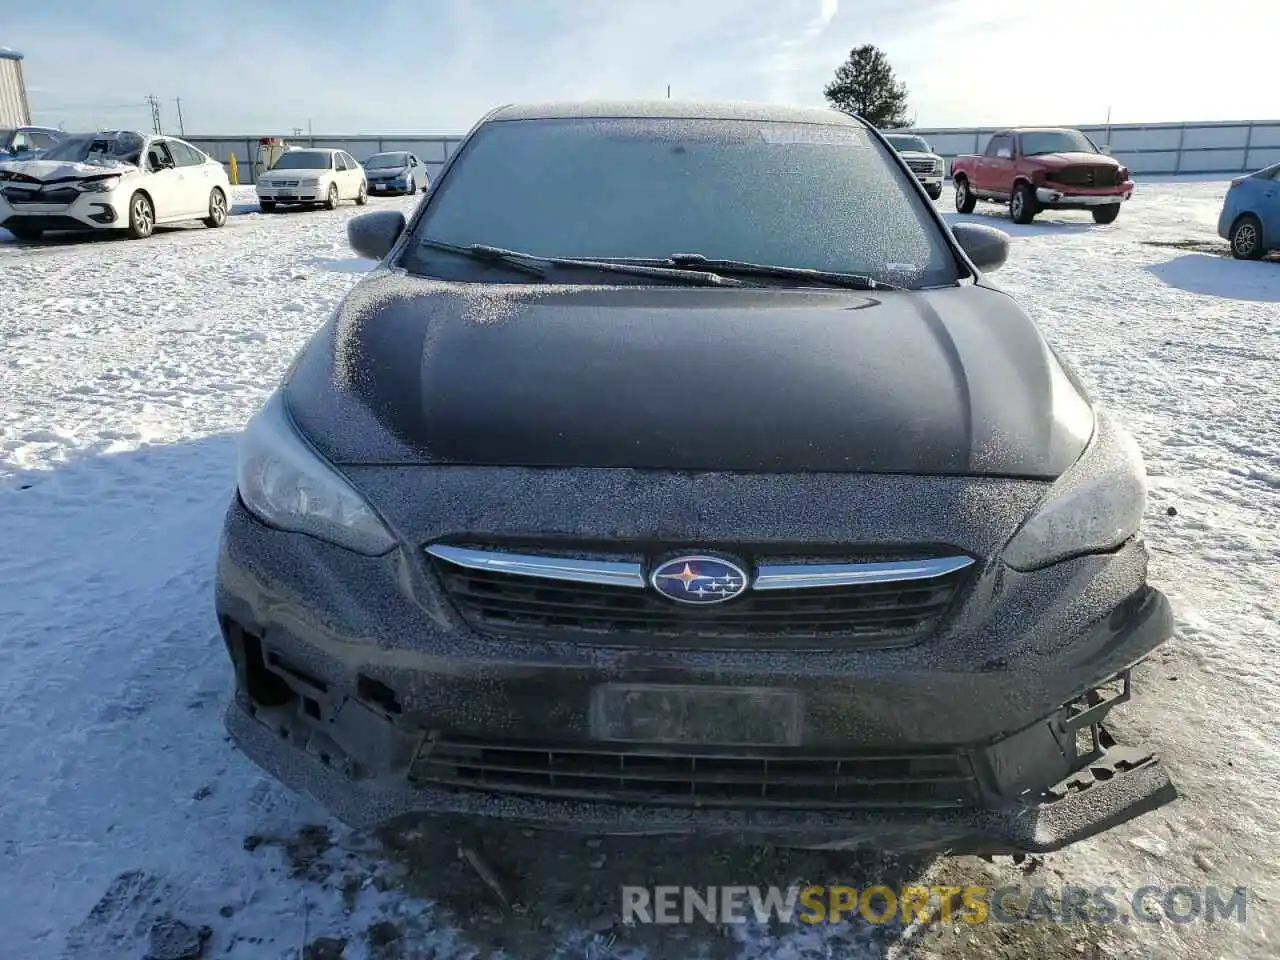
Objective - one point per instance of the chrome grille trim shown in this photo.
(802, 576)
(609, 573)
(791, 576)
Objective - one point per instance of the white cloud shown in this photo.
(784, 63)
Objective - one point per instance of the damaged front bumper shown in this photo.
(91, 211)
(355, 686)
(1110, 785)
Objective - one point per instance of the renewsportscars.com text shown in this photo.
(968, 904)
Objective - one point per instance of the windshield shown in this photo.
(384, 161)
(787, 194)
(125, 147)
(915, 144)
(1055, 141)
(304, 160)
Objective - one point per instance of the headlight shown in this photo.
(287, 484)
(1095, 506)
(105, 185)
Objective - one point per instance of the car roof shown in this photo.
(670, 109)
(109, 134)
(1038, 130)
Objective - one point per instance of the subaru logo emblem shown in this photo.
(699, 580)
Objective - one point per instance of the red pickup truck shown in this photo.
(1034, 169)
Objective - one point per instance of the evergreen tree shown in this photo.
(865, 85)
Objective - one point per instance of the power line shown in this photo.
(154, 103)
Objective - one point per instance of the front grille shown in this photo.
(1085, 175)
(45, 221)
(17, 195)
(871, 614)
(603, 772)
(920, 166)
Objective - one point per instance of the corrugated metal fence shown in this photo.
(15, 111)
(1153, 149)
(432, 151)
(1148, 149)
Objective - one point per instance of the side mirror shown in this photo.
(987, 247)
(372, 235)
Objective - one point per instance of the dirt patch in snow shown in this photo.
(1217, 248)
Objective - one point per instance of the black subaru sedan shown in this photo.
(677, 470)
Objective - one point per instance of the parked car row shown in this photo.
(1033, 169)
(124, 180)
(321, 175)
(133, 182)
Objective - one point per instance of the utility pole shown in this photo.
(182, 129)
(154, 103)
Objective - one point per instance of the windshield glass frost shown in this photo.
(789, 194)
(1055, 141)
(304, 160)
(387, 161)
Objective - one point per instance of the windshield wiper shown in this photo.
(531, 263)
(852, 281)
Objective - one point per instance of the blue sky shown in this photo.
(434, 66)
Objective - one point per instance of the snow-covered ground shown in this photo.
(125, 370)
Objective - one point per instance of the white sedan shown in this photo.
(311, 176)
(111, 181)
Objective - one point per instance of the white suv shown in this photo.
(313, 175)
(928, 167)
(114, 180)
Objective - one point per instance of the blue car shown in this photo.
(396, 172)
(27, 143)
(1250, 218)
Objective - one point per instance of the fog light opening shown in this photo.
(377, 693)
(265, 689)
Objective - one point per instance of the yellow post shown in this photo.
(235, 170)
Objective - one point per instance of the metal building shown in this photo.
(15, 111)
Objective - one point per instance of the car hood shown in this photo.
(55, 171)
(292, 174)
(956, 381)
(1072, 159)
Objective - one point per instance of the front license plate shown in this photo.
(728, 716)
